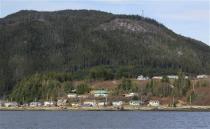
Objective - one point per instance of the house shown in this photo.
(154, 103)
(142, 78)
(172, 77)
(72, 95)
(157, 77)
(49, 103)
(89, 104)
(130, 95)
(117, 103)
(136, 102)
(100, 93)
(10, 104)
(75, 104)
(62, 102)
(35, 104)
(202, 76)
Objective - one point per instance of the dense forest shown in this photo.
(94, 44)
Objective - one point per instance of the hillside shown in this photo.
(71, 41)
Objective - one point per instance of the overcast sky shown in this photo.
(187, 17)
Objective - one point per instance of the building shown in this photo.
(136, 102)
(157, 77)
(89, 104)
(202, 76)
(100, 93)
(154, 103)
(172, 77)
(72, 95)
(10, 104)
(142, 78)
(75, 104)
(49, 103)
(35, 104)
(62, 102)
(82, 96)
(117, 103)
(130, 95)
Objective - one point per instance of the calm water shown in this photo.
(104, 120)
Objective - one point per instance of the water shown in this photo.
(103, 120)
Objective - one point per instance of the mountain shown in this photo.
(76, 40)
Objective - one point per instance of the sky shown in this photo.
(190, 18)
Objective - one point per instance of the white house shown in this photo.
(135, 102)
(130, 95)
(72, 95)
(100, 93)
(62, 102)
(49, 103)
(202, 76)
(117, 103)
(157, 77)
(172, 77)
(142, 78)
(35, 104)
(89, 103)
(154, 103)
(10, 104)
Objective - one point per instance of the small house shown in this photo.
(100, 93)
(157, 78)
(130, 95)
(142, 78)
(136, 102)
(10, 104)
(154, 103)
(62, 102)
(35, 104)
(72, 95)
(101, 104)
(117, 103)
(172, 77)
(89, 104)
(49, 103)
(1, 103)
(202, 76)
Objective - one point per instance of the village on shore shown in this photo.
(101, 99)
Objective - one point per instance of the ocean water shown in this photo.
(103, 120)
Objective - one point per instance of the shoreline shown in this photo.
(161, 108)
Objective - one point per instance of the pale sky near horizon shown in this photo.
(190, 18)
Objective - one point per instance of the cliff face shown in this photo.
(70, 41)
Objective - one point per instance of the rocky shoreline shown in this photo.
(126, 108)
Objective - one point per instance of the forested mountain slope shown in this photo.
(70, 41)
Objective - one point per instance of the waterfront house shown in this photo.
(117, 103)
(154, 103)
(142, 78)
(130, 95)
(75, 104)
(49, 103)
(202, 76)
(157, 77)
(136, 102)
(10, 104)
(89, 104)
(100, 93)
(72, 95)
(62, 102)
(35, 104)
(172, 77)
